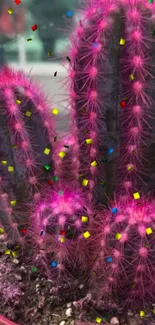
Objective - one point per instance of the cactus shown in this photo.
(125, 261)
(26, 147)
(59, 234)
(56, 215)
(111, 66)
(110, 77)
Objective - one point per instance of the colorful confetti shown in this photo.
(10, 11)
(69, 13)
(34, 27)
(122, 41)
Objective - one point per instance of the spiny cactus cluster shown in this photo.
(26, 139)
(125, 258)
(111, 79)
(59, 234)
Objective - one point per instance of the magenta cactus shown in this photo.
(111, 68)
(25, 117)
(59, 234)
(111, 65)
(125, 260)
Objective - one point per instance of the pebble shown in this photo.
(62, 323)
(68, 312)
(15, 261)
(18, 277)
(130, 313)
(114, 321)
(69, 304)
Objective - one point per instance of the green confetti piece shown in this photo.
(34, 269)
(153, 33)
(47, 167)
(60, 192)
(55, 178)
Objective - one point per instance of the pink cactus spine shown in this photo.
(135, 81)
(87, 56)
(21, 103)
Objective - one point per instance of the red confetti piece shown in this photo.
(123, 104)
(34, 27)
(62, 232)
(23, 230)
(17, 2)
(55, 73)
(50, 182)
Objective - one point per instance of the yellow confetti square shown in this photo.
(10, 168)
(4, 162)
(1, 231)
(13, 202)
(14, 147)
(131, 77)
(98, 320)
(130, 167)
(47, 151)
(149, 231)
(122, 41)
(136, 196)
(153, 310)
(18, 101)
(62, 154)
(88, 141)
(84, 219)
(10, 11)
(118, 236)
(86, 234)
(85, 182)
(28, 113)
(14, 254)
(7, 252)
(62, 239)
(55, 111)
(142, 313)
(94, 163)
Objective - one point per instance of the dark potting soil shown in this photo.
(27, 298)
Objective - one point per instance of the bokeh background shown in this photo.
(39, 53)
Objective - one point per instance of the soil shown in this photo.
(27, 298)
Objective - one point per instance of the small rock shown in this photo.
(23, 269)
(114, 321)
(15, 261)
(68, 312)
(81, 286)
(130, 313)
(62, 323)
(69, 304)
(18, 277)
